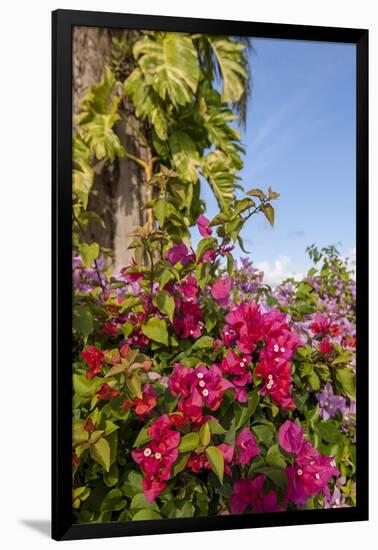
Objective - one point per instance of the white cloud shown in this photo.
(278, 271)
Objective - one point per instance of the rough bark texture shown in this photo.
(118, 192)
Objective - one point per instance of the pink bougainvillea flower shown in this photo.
(110, 328)
(320, 324)
(203, 226)
(89, 426)
(161, 430)
(189, 288)
(236, 365)
(325, 347)
(220, 291)
(210, 385)
(187, 323)
(251, 493)
(94, 359)
(106, 392)
(157, 458)
(229, 335)
(75, 459)
(350, 341)
(263, 502)
(335, 329)
(310, 474)
(208, 256)
(247, 446)
(290, 436)
(176, 253)
(311, 471)
(145, 404)
(152, 488)
(247, 321)
(199, 461)
(180, 379)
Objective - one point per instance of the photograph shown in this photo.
(213, 265)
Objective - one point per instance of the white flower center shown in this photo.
(147, 451)
(241, 364)
(282, 350)
(191, 333)
(157, 456)
(200, 375)
(245, 360)
(201, 384)
(205, 392)
(276, 348)
(317, 476)
(299, 472)
(226, 333)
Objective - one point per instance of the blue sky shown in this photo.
(300, 140)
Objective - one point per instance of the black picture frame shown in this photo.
(63, 22)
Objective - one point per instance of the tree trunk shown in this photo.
(118, 192)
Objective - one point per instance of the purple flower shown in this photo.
(290, 436)
(330, 403)
(177, 253)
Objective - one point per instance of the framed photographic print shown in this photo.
(210, 274)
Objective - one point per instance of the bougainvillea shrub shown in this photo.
(198, 389)
(201, 392)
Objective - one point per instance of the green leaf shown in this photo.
(147, 104)
(82, 321)
(205, 342)
(329, 432)
(245, 412)
(165, 303)
(189, 442)
(134, 384)
(230, 61)
(216, 461)
(342, 358)
(159, 210)
(205, 434)
(139, 502)
(133, 484)
(205, 244)
(314, 381)
(100, 452)
(142, 437)
(220, 173)
(180, 464)
(156, 330)
(277, 475)
(89, 253)
(169, 64)
(256, 193)
(113, 502)
(146, 513)
(185, 156)
(84, 387)
(268, 212)
(111, 477)
(275, 458)
(264, 434)
(347, 378)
